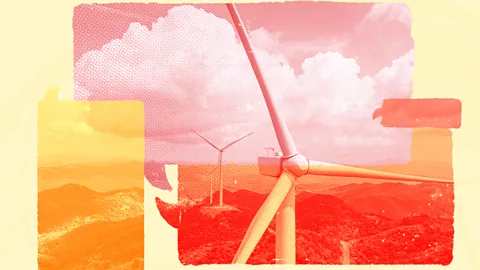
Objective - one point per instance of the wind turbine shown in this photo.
(288, 167)
(220, 156)
(211, 185)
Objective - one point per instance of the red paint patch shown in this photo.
(420, 113)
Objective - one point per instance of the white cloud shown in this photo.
(190, 62)
(192, 73)
(387, 12)
(395, 81)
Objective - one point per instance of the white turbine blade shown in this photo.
(284, 137)
(206, 140)
(263, 217)
(328, 169)
(237, 140)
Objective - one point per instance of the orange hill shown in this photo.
(104, 229)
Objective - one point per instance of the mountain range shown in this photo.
(387, 223)
(79, 228)
(99, 176)
(102, 219)
(194, 180)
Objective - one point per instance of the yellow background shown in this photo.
(37, 54)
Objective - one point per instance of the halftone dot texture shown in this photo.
(189, 68)
(191, 71)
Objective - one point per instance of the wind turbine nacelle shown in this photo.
(270, 166)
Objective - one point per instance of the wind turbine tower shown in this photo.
(220, 157)
(211, 185)
(287, 167)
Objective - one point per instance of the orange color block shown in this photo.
(420, 113)
(90, 184)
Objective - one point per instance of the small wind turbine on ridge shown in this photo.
(287, 168)
(220, 156)
(211, 185)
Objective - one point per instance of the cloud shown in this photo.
(64, 117)
(189, 70)
(395, 81)
(333, 105)
(302, 47)
(192, 73)
(387, 12)
(123, 119)
(383, 34)
(264, 39)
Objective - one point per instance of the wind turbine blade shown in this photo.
(328, 169)
(284, 137)
(237, 140)
(206, 140)
(263, 217)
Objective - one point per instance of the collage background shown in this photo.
(37, 54)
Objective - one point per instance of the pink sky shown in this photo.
(329, 66)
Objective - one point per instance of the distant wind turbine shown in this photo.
(220, 156)
(211, 185)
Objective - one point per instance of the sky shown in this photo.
(69, 132)
(328, 67)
